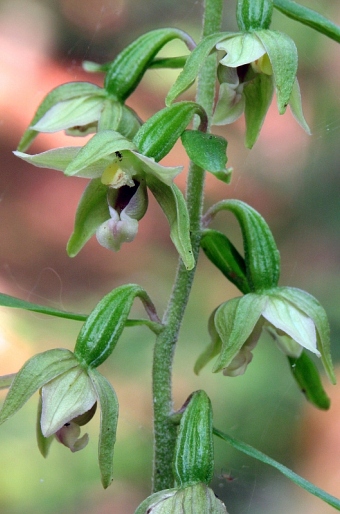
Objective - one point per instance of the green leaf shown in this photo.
(283, 58)
(193, 65)
(308, 379)
(159, 134)
(310, 306)
(308, 17)
(59, 94)
(92, 211)
(194, 451)
(235, 322)
(223, 254)
(301, 482)
(36, 372)
(104, 326)
(10, 301)
(109, 409)
(252, 15)
(261, 255)
(208, 152)
(174, 207)
(127, 70)
(258, 95)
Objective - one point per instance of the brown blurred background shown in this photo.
(292, 179)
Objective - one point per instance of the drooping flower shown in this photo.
(254, 65)
(69, 395)
(291, 316)
(116, 198)
(80, 108)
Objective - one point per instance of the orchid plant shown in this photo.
(122, 162)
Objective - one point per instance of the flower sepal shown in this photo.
(308, 379)
(36, 372)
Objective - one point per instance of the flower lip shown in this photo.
(241, 49)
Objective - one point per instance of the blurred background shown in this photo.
(292, 179)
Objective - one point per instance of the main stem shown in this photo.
(164, 429)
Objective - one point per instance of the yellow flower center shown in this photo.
(262, 65)
(115, 176)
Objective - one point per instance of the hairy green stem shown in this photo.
(164, 428)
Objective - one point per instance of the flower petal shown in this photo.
(283, 315)
(230, 105)
(165, 174)
(59, 94)
(114, 232)
(239, 363)
(64, 398)
(70, 113)
(68, 435)
(235, 322)
(213, 349)
(241, 49)
(312, 308)
(98, 150)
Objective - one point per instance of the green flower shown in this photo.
(80, 108)
(198, 498)
(254, 65)
(292, 317)
(116, 198)
(69, 395)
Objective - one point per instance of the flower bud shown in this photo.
(194, 453)
(254, 14)
(198, 499)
